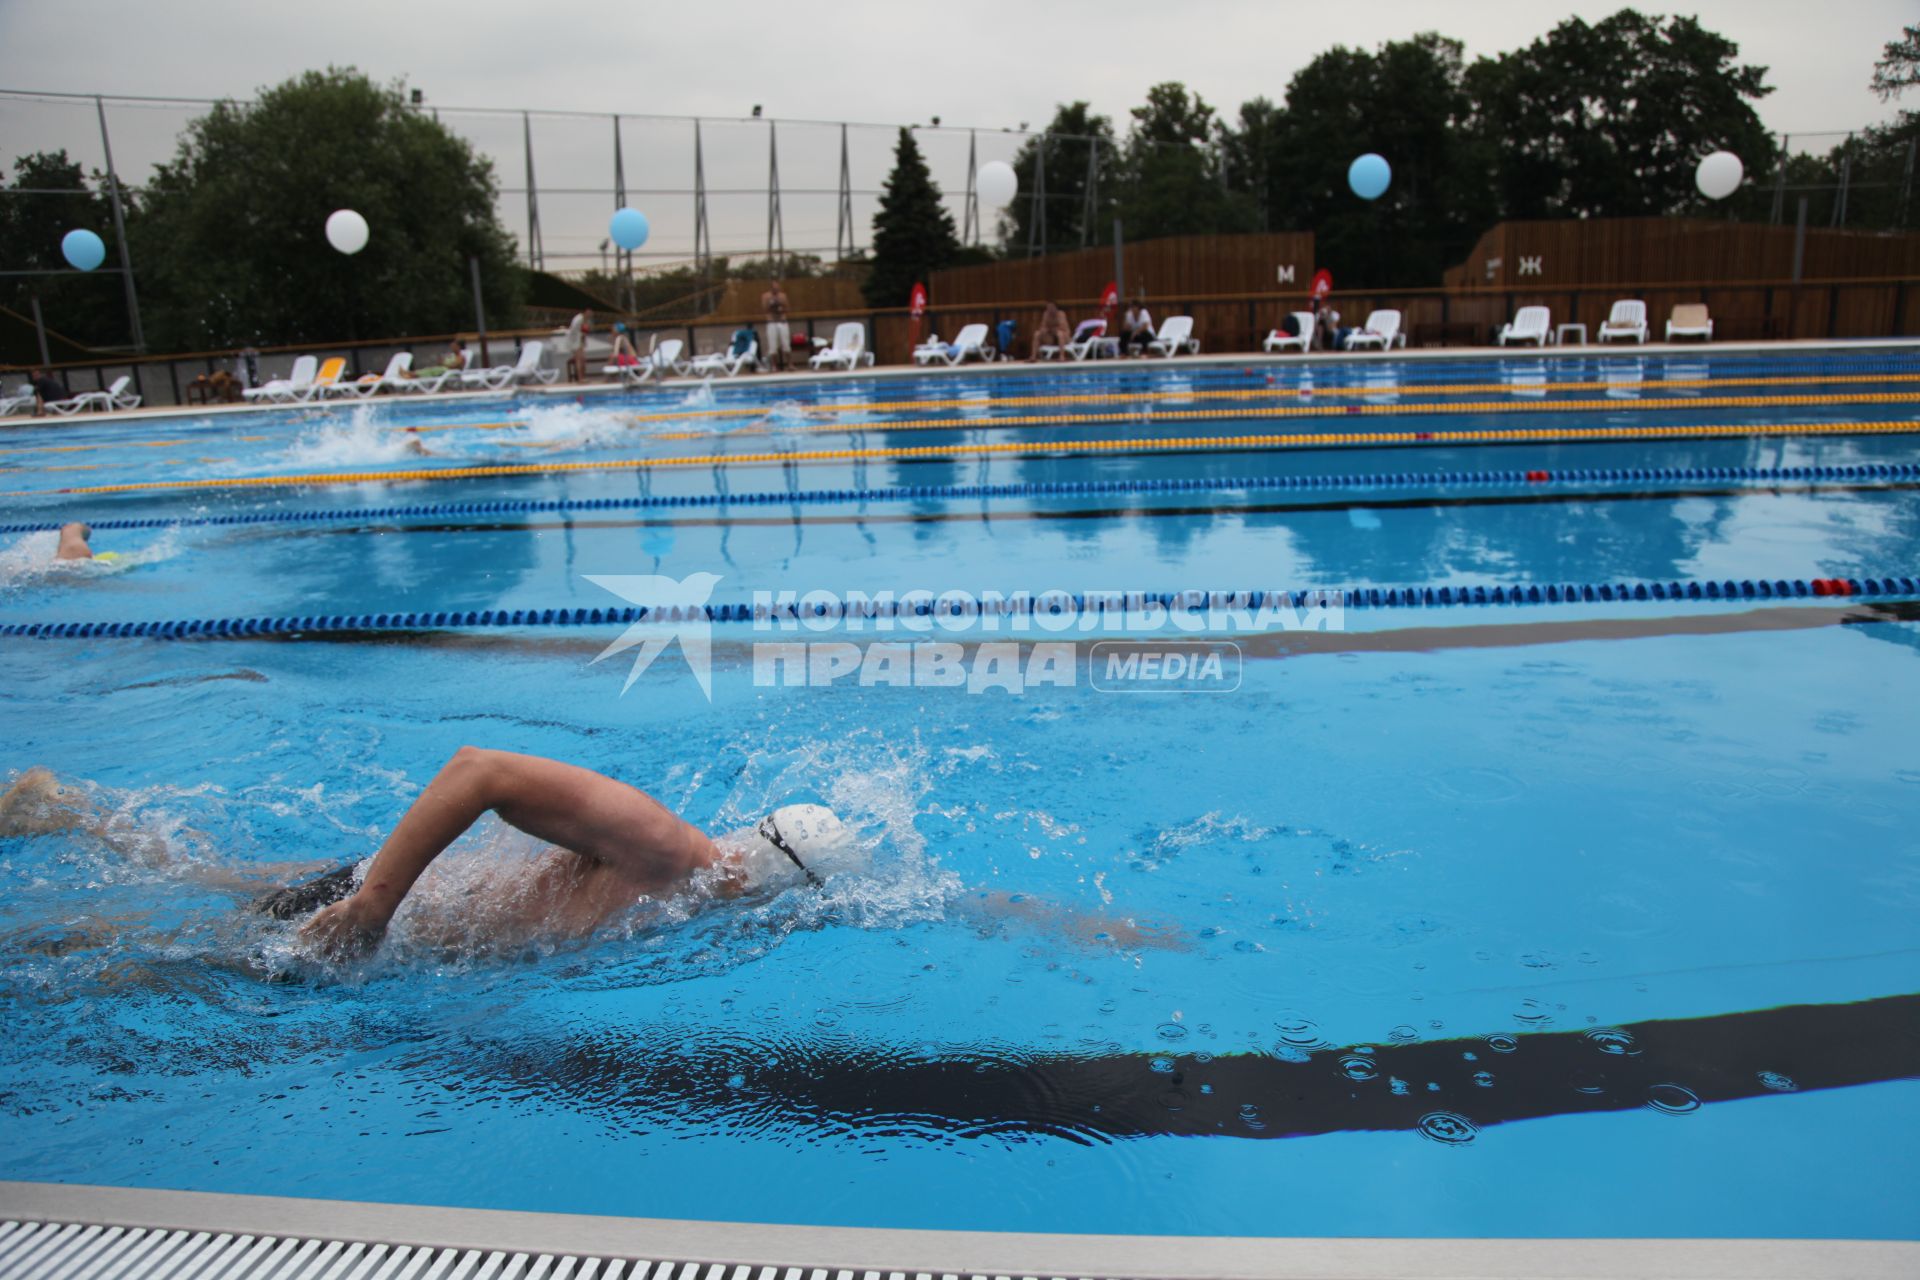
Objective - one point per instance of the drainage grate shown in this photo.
(79, 1251)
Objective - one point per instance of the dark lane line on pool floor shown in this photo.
(728, 646)
(1445, 1090)
(975, 516)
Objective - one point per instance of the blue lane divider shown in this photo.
(1883, 472)
(1048, 602)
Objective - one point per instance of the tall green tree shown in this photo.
(913, 233)
(1074, 137)
(1609, 119)
(1899, 66)
(50, 196)
(1407, 101)
(231, 244)
(1171, 178)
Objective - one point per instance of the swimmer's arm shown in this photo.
(993, 907)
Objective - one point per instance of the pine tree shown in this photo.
(913, 233)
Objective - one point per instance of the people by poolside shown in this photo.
(576, 346)
(452, 361)
(1326, 324)
(1052, 332)
(46, 389)
(624, 356)
(778, 349)
(1136, 328)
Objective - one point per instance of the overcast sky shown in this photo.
(986, 63)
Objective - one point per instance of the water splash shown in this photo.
(28, 560)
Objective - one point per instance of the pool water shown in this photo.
(1585, 919)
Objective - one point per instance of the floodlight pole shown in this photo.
(1840, 200)
(1119, 265)
(776, 229)
(479, 311)
(40, 330)
(843, 234)
(970, 207)
(120, 235)
(535, 255)
(702, 238)
(625, 256)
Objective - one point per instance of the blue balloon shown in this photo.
(83, 249)
(628, 228)
(1369, 176)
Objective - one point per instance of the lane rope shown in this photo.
(1055, 603)
(1116, 447)
(1891, 472)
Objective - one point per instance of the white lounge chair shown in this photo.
(1175, 335)
(1381, 330)
(849, 346)
(1280, 340)
(1082, 338)
(324, 382)
(1628, 319)
(20, 400)
(970, 341)
(285, 388)
(502, 376)
(1690, 320)
(114, 397)
(1530, 324)
(724, 362)
(394, 376)
(1089, 339)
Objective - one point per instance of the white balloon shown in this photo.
(346, 231)
(996, 183)
(1719, 175)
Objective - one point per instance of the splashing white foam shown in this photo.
(356, 440)
(28, 560)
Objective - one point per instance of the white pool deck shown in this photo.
(1010, 368)
(110, 1233)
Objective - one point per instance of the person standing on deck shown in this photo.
(779, 338)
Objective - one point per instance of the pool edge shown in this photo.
(946, 1253)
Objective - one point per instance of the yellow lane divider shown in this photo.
(1527, 435)
(1130, 397)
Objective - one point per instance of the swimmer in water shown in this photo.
(74, 545)
(608, 847)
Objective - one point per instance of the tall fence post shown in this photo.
(1906, 183)
(479, 311)
(1037, 207)
(1119, 264)
(1799, 246)
(1780, 181)
(1092, 208)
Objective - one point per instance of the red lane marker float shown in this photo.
(1832, 587)
(1539, 477)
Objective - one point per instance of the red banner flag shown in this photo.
(917, 303)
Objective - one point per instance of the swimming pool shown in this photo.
(1586, 917)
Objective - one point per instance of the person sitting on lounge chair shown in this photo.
(46, 389)
(1136, 328)
(1054, 331)
(624, 356)
(453, 361)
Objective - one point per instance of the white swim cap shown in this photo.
(793, 843)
